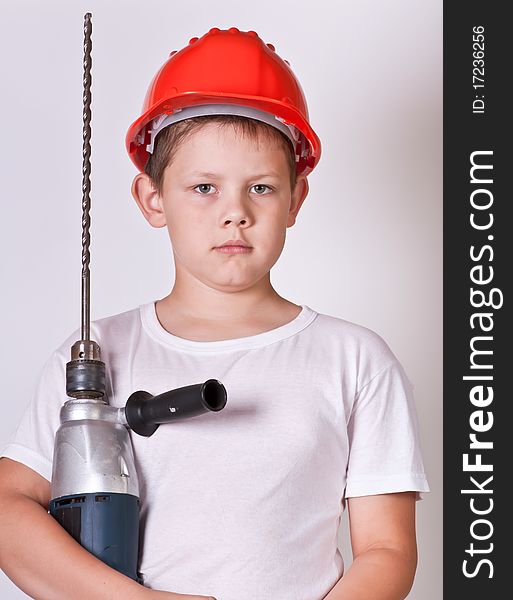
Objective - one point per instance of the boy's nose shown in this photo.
(236, 217)
(236, 210)
(237, 222)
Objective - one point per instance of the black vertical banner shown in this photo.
(478, 355)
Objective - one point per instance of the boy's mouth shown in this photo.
(234, 247)
(234, 243)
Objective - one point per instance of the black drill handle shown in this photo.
(144, 412)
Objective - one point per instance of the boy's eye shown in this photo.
(202, 187)
(261, 185)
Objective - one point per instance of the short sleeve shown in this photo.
(33, 440)
(384, 445)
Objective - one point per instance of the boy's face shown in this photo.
(222, 186)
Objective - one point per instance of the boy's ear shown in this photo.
(299, 193)
(148, 200)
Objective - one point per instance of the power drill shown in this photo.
(94, 488)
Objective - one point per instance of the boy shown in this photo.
(246, 505)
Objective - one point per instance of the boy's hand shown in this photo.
(57, 567)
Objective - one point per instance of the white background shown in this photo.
(367, 246)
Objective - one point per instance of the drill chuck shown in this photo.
(85, 373)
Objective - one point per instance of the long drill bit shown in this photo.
(85, 373)
(86, 181)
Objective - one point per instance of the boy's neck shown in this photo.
(211, 315)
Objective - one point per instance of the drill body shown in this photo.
(95, 490)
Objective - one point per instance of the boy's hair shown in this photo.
(169, 140)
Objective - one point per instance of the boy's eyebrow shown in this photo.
(214, 175)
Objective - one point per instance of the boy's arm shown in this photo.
(42, 559)
(384, 547)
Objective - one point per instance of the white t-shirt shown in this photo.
(245, 503)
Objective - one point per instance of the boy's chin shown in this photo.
(234, 284)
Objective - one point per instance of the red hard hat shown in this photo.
(226, 72)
